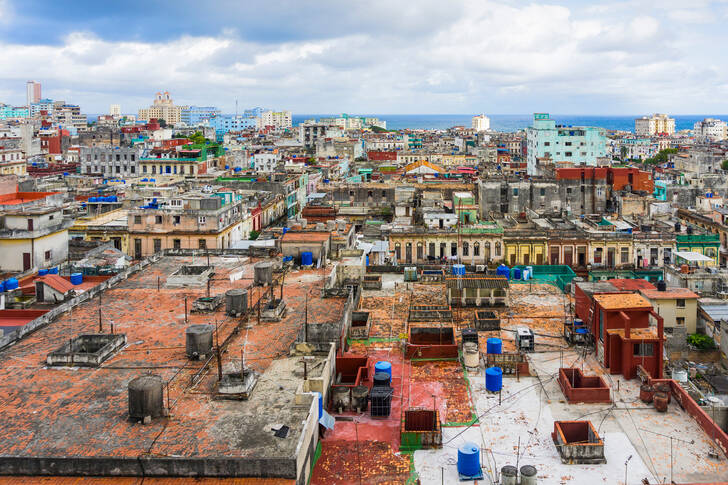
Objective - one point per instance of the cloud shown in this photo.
(459, 56)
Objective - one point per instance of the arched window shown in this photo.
(420, 251)
(465, 248)
(398, 251)
(497, 249)
(476, 249)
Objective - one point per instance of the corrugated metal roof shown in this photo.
(715, 311)
(455, 282)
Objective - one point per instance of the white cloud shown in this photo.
(503, 57)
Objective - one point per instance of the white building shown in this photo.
(33, 93)
(265, 161)
(711, 129)
(115, 110)
(654, 125)
(481, 123)
(277, 119)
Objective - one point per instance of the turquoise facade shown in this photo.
(563, 143)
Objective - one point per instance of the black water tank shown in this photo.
(381, 401)
(470, 335)
(689, 230)
(661, 285)
(678, 227)
(381, 379)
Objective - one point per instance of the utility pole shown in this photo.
(626, 462)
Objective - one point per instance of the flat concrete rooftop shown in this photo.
(74, 421)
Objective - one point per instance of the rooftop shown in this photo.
(669, 294)
(622, 301)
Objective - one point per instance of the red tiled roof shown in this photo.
(670, 293)
(305, 236)
(632, 284)
(56, 282)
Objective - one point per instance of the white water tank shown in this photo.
(471, 356)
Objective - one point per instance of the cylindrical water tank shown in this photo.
(146, 397)
(236, 301)
(471, 356)
(341, 398)
(76, 278)
(263, 273)
(306, 258)
(198, 340)
(382, 379)
(494, 379)
(2, 286)
(383, 366)
(53, 271)
(330, 225)
(458, 269)
(526, 274)
(528, 475)
(516, 273)
(503, 270)
(42, 272)
(578, 322)
(341, 224)
(11, 284)
(661, 285)
(359, 396)
(494, 345)
(509, 475)
(381, 399)
(469, 459)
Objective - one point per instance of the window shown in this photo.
(624, 255)
(476, 249)
(157, 219)
(680, 321)
(497, 249)
(176, 219)
(568, 190)
(598, 256)
(543, 192)
(680, 303)
(568, 154)
(50, 217)
(547, 143)
(601, 324)
(466, 249)
(157, 245)
(137, 219)
(515, 191)
(202, 220)
(202, 244)
(420, 251)
(643, 350)
(453, 249)
(48, 255)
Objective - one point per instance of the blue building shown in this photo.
(195, 115)
(253, 112)
(225, 123)
(7, 111)
(563, 143)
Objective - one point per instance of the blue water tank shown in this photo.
(152, 180)
(578, 322)
(114, 198)
(503, 270)
(11, 284)
(237, 169)
(145, 179)
(65, 174)
(367, 260)
(383, 366)
(76, 278)
(525, 274)
(494, 379)
(227, 167)
(469, 460)
(516, 273)
(53, 271)
(92, 199)
(42, 272)
(306, 258)
(285, 230)
(458, 269)
(582, 330)
(2, 286)
(494, 345)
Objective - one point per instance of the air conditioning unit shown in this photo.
(480, 268)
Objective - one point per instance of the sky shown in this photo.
(378, 56)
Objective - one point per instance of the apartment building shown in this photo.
(481, 123)
(656, 124)
(711, 129)
(188, 160)
(164, 108)
(195, 115)
(204, 221)
(120, 161)
(309, 132)
(12, 161)
(563, 143)
(276, 119)
(477, 244)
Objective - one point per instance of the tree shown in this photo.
(724, 164)
(254, 235)
(162, 122)
(662, 156)
(623, 152)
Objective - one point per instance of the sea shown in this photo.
(511, 123)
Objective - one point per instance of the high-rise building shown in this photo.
(32, 92)
(481, 123)
(654, 125)
(115, 110)
(277, 119)
(195, 115)
(711, 128)
(563, 143)
(162, 108)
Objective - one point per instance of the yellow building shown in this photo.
(613, 250)
(164, 108)
(477, 244)
(12, 161)
(109, 226)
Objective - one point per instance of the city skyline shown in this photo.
(618, 58)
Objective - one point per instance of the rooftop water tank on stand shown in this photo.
(198, 341)
(469, 460)
(494, 379)
(76, 278)
(494, 345)
(146, 398)
(471, 356)
(307, 258)
(382, 379)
